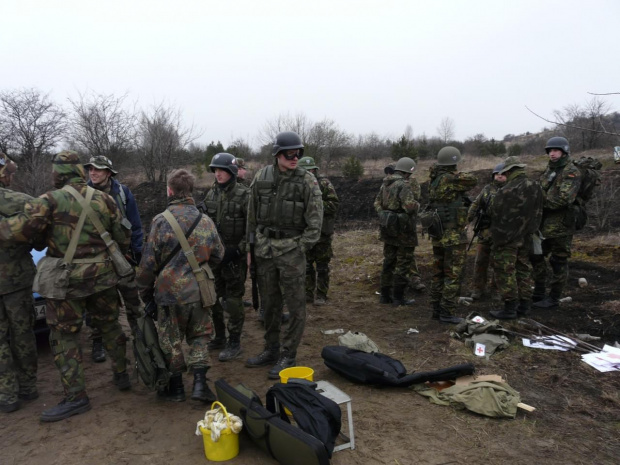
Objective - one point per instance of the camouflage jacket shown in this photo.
(16, 267)
(174, 282)
(285, 211)
(331, 202)
(483, 200)
(446, 194)
(560, 183)
(516, 209)
(228, 208)
(415, 187)
(396, 197)
(54, 217)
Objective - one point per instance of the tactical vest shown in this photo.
(450, 213)
(228, 215)
(280, 205)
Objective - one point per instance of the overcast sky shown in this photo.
(371, 66)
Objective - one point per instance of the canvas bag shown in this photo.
(150, 360)
(203, 273)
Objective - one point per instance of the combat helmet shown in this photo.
(240, 162)
(510, 163)
(287, 140)
(405, 165)
(560, 143)
(307, 163)
(101, 162)
(226, 162)
(448, 156)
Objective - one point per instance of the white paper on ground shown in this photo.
(606, 360)
(550, 343)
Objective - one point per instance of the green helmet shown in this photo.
(510, 163)
(287, 140)
(405, 165)
(307, 163)
(448, 156)
(101, 162)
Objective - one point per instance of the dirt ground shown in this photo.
(577, 417)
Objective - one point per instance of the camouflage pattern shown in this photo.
(415, 188)
(484, 198)
(448, 263)
(447, 188)
(560, 183)
(481, 268)
(191, 322)
(559, 250)
(176, 284)
(396, 269)
(513, 270)
(65, 317)
(396, 195)
(18, 358)
(319, 256)
(227, 206)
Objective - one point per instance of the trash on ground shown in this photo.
(588, 337)
(467, 301)
(606, 360)
(358, 341)
(550, 342)
(577, 343)
(412, 331)
(566, 300)
(333, 331)
(583, 282)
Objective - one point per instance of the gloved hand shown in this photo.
(231, 253)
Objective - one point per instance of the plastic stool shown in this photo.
(330, 391)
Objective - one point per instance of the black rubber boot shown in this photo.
(547, 302)
(66, 409)
(524, 307)
(266, 357)
(386, 295)
(232, 350)
(286, 360)
(399, 297)
(201, 390)
(12, 407)
(98, 353)
(122, 382)
(436, 311)
(508, 313)
(446, 317)
(175, 391)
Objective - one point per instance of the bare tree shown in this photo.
(162, 138)
(446, 129)
(326, 142)
(31, 126)
(102, 125)
(298, 123)
(601, 207)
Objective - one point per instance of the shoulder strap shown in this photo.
(105, 235)
(178, 247)
(122, 205)
(78, 229)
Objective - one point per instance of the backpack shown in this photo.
(590, 180)
(150, 361)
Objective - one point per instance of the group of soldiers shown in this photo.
(519, 223)
(282, 224)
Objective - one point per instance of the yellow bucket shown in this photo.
(228, 445)
(295, 372)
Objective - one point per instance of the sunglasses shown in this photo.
(291, 154)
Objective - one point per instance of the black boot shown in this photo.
(548, 302)
(399, 297)
(286, 360)
(266, 357)
(122, 382)
(12, 407)
(201, 390)
(232, 350)
(446, 317)
(175, 391)
(508, 313)
(98, 353)
(524, 307)
(386, 297)
(219, 340)
(66, 409)
(539, 292)
(436, 311)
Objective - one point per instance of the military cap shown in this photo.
(101, 162)
(389, 169)
(510, 163)
(308, 163)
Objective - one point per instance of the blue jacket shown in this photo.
(129, 211)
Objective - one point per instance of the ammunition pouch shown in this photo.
(389, 223)
(52, 278)
(431, 223)
(580, 215)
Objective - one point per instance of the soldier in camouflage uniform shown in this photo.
(166, 277)
(284, 216)
(447, 196)
(416, 280)
(227, 205)
(515, 211)
(18, 358)
(102, 178)
(480, 207)
(560, 182)
(242, 172)
(321, 253)
(92, 281)
(397, 208)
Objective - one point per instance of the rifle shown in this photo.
(481, 221)
(255, 301)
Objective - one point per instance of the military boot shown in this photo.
(539, 292)
(386, 295)
(266, 357)
(548, 302)
(445, 316)
(399, 297)
(219, 340)
(98, 353)
(232, 350)
(417, 284)
(65, 409)
(175, 391)
(122, 382)
(201, 390)
(320, 300)
(10, 407)
(524, 307)
(436, 311)
(509, 311)
(286, 360)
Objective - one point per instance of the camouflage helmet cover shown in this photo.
(307, 163)
(66, 165)
(224, 161)
(101, 162)
(448, 156)
(405, 165)
(510, 163)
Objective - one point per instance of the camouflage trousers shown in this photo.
(282, 280)
(559, 250)
(513, 271)
(191, 322)
(317, 268)
(230, 285)
(448, 263)
(18, 358)
(481, 269)
(65, 317)
(397, 263)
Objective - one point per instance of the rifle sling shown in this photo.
(70, 252)
(178, 246)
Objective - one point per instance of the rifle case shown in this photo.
(286, 443)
